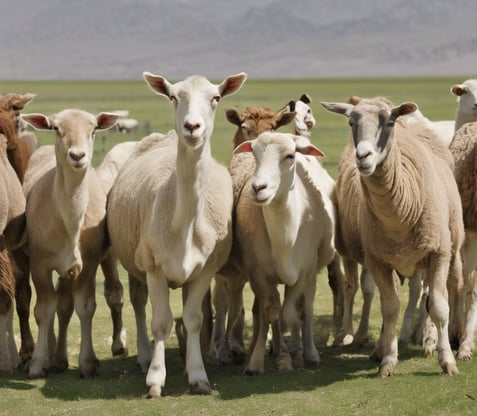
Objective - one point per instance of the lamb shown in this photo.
(65, 212)
(406, 222)
(178, 201)
(229, 283)
(464, 151)
(466, 94)
(12, 224)
(283, 235)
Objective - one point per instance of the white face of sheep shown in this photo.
(75, 132)
(195, 102)
(467, 97)
(372, 128)
(274, 155)
(304, 120)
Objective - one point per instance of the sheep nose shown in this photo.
(77, 156)
(191, 126)
(363, 155)
(257, 187)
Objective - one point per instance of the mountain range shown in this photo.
(119, 39)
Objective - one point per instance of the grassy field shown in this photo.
(344, 383)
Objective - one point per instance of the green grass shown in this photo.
(345, 382)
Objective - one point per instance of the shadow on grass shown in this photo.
(121, 377)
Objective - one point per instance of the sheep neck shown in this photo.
(283, 219)
(387, 192)
(70, 195)
(192, 173)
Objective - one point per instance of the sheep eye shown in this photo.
(290, 156)
(216, 98)
(173, 98)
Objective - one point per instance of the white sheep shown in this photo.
(228, 341)
(283, 234)
(65, 212)
(410, 215)
(304, 120)
(466, 94)
(178, 202)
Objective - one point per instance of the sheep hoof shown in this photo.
(284, 362)
(200, 387)
(34, 374)
(464, 355)
(89, 369)
(154, 392)
(450, 368)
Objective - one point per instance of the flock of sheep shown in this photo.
(404, 205)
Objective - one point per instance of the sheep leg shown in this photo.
(386, 350)
(193, 320)
(470, 296)
(228, 297)
(438, 269)
(6, 314)
(12, 346)
(337, 282)
(64, 310)
(351, 287)
(267, 310)
(113, 293)
(367, 289)
(161, 325)
(467, 341)
(44, 311)
(293, 300)
(415, 288)
(310, 353)
(220, 344)
(138, 294)
(23, 300)
(84, 294)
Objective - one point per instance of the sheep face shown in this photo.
(372, 127)
(256, 120)
(467, 97)
(304, 120)
(274, 155)
(75, 131)
(195, 102)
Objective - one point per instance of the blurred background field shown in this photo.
(345, 382)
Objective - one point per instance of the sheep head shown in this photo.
(195, 102)
(75, 132)
(274, 155)
(466, 94)
(372, 128)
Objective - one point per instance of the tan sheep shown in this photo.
(406, 222)
(65, 211)
(283, 235)
(464, 151)
(12, 224)
(178, 203)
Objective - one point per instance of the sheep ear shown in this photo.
(158, 84)
(245, 147)
(339, 108)
(106, 120)
(403, 109)
(21, 101)
(458, 90)
(305, 98)
(310, 150)
(232, 116)
(232, 84)
(284, 117)
(38, 121)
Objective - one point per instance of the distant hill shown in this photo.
(119, 39)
